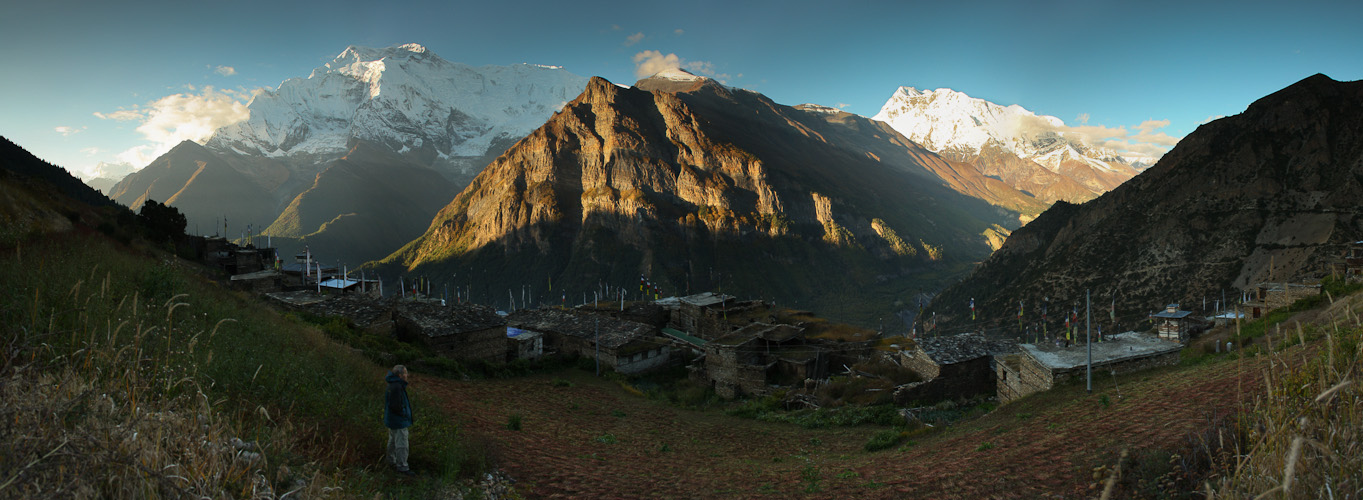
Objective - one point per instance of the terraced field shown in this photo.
(594, 439)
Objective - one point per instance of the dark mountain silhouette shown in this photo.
(18, 160)
(1271, 194)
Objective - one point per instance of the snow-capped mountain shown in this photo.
(995, 138)
(356, 158)
(447, 115)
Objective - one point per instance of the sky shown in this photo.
(88, 82)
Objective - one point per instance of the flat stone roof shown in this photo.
(298, 298)
(1118, 347)
(612, 332)
(268, 273)
(964, 347)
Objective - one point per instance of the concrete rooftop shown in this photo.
(1119, 347)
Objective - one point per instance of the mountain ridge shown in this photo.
(703, 186)
(1267, 195)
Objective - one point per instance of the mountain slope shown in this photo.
(37, 197)
(699, 186)
(202, 186)
(360, 204)
(1269, 194)
(1011, 143)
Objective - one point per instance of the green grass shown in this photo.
(768, 409)
(152, 332)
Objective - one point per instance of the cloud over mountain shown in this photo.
(175, 118)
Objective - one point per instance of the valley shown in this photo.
(1003, 251)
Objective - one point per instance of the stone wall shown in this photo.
(956, 380)
(920, 363)
(643, 361)
(1021, 374)
(734, 370)
(488, 344)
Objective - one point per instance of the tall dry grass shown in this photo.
(1300, 437)
(103, 395)
(131, 376)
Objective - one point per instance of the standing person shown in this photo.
(397, 416)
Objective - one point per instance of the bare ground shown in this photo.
(594, 439)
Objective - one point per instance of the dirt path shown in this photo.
(594, 439)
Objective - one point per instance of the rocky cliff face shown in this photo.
(699, 186)
(1271, 194)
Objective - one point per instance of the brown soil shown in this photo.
(597, 440)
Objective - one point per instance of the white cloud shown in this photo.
(112, 170)
(175, 118)
(121, 115)
(1083, 118)
(67, 131)
(90, 151)
(225, 70)
(678, 31)
(842, 105)
(633, 39)
(650, 62)
(1144, 141)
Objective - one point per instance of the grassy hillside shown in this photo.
(128, 375)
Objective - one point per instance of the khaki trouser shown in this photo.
(397, 448)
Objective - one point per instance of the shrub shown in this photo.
(888, 438)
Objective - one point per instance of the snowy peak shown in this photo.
(1047, 159)
(678, 74)
(403, 97)
(818, 108)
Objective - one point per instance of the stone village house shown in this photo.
(624, 346)
(952, 366)
(753, 359)
(1038, 368)
(458, 331)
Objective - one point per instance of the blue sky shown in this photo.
(90, 82)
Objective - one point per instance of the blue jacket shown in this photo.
(397, 413)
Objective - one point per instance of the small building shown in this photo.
(339, 285)
(621, 345)
(1173, 324)
(1268, 296)
(457, 331)
(754, 358)
(1228, 317)
(372, 315)
(1036, 368)
(524, 344)
(952, 366)
(1353, 262)
(258, 282)
(701, 315)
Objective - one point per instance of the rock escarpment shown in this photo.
(697, 186)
